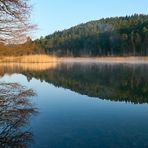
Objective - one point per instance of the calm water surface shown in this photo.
(84, 105)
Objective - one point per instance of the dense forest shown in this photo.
(118, 36)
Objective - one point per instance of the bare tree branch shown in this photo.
(15, 110)
(14, 23)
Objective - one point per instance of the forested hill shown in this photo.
(116, 36)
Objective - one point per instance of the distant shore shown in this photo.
(131, 59)
(50, 59)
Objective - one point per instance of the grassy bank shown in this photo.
(28, 59)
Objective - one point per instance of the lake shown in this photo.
(79, 105)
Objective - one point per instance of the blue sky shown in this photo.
(53, 15)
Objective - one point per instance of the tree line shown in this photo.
(115, 36)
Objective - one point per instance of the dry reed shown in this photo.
(28, 59)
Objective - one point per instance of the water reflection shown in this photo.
(11, 68)
(116, 82)
(68, 119)
(15, 111)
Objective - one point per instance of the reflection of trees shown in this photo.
(15, 110)
(117, 82)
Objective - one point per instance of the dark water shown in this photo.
(83, 105)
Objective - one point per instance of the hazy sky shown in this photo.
(53, 15)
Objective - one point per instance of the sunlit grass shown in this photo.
(11, 67)
(29, 59)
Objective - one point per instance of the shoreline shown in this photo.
(54, 59)
(28, 59)
(130, 60)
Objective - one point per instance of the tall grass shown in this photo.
(19, 67)
(29, 59)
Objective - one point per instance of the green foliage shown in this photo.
(119, 36)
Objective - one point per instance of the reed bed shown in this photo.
(28, 59)
(17, 67)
